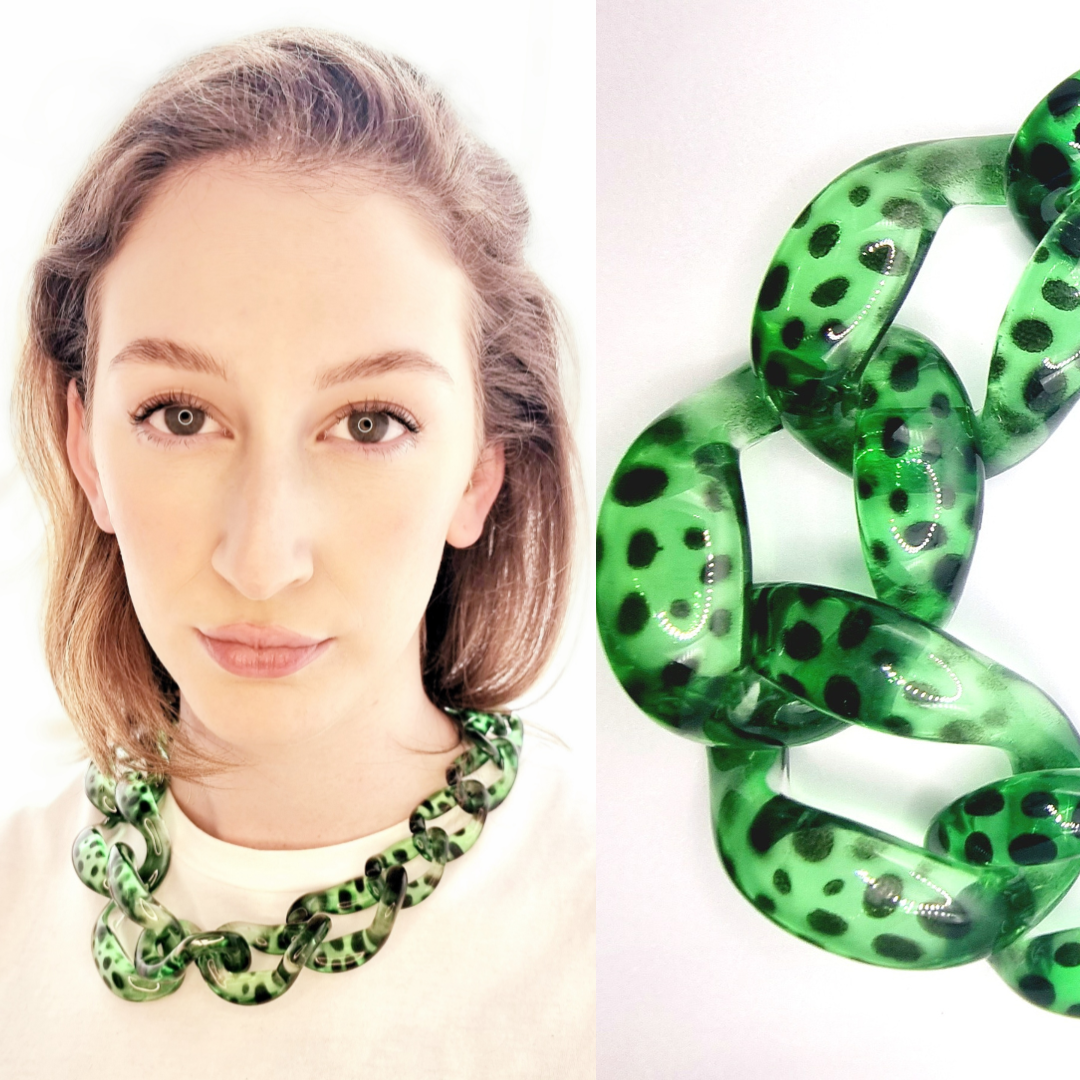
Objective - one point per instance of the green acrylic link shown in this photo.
(673, 565)
(918, 476)
(750, 670)
(842, 272)
(1031, 820)
(853, 889)
(167, 945)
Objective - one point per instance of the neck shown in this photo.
(354, 777)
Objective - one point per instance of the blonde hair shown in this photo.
(305, 100)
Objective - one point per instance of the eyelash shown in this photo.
(180, 397)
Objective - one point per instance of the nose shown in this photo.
(265, 545)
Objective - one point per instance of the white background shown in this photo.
(521, 74)
(717, 122)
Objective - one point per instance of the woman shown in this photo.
(291, 397)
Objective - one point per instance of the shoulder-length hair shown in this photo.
(305, 100)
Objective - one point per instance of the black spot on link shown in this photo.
(925, 534)
(633, 615)
(815, 844)
(641, 549)
(1037, 989)
(1061, 295)
(1068, 955)
(903, 212)
(1045, 389)
(878, 256)
(948, 573)
(826, 922)
(1068, 238)
(1050, 167)
(1032, 849)
(1038, 804)
(881, 896)
(904, 374)
(776, 373)
(842, 697)
(792, 333)
(897, 947)
(823, 240)
(978, 849)
(641, 485)
(897, 725)
(854, 628)
(666, 430)
(1032, 335)
(895, 437)
(802, 641)
(676, 675)
(1063, 97)
(773, 287)
(939, 406)
(830, 292)
(775, 820)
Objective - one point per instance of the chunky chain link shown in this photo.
(442, 828)
(752, 669)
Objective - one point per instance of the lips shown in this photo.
(260, 652)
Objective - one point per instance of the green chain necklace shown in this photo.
(443, 827)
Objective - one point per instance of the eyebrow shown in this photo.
(186, 358)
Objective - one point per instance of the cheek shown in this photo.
(163, 522)
(383, 541)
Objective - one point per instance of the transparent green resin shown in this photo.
(843, 270)
(918, 476)
(167, 945)
(750, 670)
(841, 273)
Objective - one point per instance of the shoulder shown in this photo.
(31, 837)
(553, 798)
(38, 877)
(538, 849)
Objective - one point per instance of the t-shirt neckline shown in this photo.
(296, 870)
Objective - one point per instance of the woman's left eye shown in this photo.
(370, 426)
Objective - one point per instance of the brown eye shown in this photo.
(183, 419)
(369, 427)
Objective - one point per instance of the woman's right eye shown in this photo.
(179, 419)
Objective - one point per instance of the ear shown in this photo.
(82, 460)
(468, 521)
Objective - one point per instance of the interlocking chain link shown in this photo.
(442, 828)
(752, 669)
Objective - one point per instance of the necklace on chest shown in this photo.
(442, 828)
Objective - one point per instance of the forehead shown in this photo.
(252, 264)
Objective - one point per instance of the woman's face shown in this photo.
(283, 434)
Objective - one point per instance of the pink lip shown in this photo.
(260, 652)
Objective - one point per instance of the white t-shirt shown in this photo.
(493, 975)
